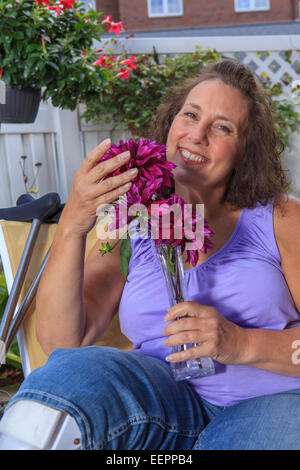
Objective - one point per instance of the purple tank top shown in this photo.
(244, 281)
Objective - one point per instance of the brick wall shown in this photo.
(200, 13)
(109, 7)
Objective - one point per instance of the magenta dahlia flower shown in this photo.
(148, 189)
(154, 170)
(173, 222)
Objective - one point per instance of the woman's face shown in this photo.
(207, 135)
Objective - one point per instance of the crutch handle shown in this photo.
(42, 209)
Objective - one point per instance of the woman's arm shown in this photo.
(226, 342)
(76, 300)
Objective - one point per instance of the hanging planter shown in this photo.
(21, 106)
(50, 45)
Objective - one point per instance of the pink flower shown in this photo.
(124, 74)
(182, 224)
(107, 20)
(67, 4)
(115, 27)
(101, 61)
(129, 62)
(110, 62)
(105, 62)
(45, 2)
(55, 8)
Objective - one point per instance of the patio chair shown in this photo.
(26, 233)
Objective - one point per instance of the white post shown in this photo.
(69, 153)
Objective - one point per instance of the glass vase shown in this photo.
(172, 266)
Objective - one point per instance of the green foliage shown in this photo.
(135, 100)
(41, 49)
(3, 294)
(286, 118)
(125, 255)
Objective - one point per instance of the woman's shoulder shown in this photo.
(287, 222)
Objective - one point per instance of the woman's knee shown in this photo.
(73, 369)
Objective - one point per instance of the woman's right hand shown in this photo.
(88, 191)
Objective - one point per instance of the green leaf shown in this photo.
(106, 248)
(18, 35)
(125, 255)
(13, 360)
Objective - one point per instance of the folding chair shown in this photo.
(26, 234)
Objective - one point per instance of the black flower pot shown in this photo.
(21, 106)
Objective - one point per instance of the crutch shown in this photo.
(31, 425)
(46, 209)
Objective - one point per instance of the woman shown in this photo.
(244, 308)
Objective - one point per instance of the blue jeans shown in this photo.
(125, 400)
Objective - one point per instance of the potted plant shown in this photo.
(46, 51)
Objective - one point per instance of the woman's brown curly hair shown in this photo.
(259, 175)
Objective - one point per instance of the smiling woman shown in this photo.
(258, 175)
(208, 133)
(243, 296)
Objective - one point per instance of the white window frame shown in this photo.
(165, 8)
(252, 7)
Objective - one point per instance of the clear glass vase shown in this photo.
(171, 262)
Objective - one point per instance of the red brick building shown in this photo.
(147, 15)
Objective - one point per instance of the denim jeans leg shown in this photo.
(268, 422)
(120, 399)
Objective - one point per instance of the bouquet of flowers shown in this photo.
(165, 217)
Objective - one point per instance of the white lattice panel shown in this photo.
(274, 66)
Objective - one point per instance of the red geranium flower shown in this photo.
(55, 8)
(115, 27)
(129, 62)
(67, 4)
(124, 74)
(107, 20)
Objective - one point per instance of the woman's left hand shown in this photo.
(216, 336)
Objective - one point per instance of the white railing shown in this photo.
(60, 140)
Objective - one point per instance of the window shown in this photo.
(164, 8)
(251, 5)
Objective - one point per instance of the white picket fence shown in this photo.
(59, 139)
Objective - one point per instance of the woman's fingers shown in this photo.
(113, 195)
(95, 155)
(106, 167)
(188, 308)
(115, 182)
